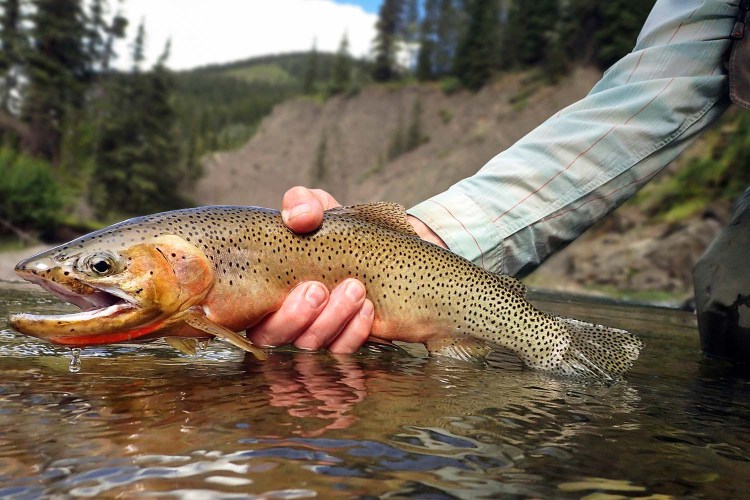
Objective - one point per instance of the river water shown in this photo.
(144, 420)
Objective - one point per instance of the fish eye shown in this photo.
(100, 264)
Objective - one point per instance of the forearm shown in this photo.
(585, 161)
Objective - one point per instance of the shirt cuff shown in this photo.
(463, 226)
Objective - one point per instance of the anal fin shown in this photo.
(462, 348)
(185, 346)
(202, 323)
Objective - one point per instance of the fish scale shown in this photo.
(241, 262)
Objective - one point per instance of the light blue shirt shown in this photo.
(553, 184)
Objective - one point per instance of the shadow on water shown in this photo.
(144, 419)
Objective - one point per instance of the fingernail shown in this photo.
(367, 309)
(354, 290)
(315, 296)
(297, 210)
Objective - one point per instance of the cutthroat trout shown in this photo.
(214, 271)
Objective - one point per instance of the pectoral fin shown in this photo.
(463, 348)
(202, 323)
(185, 346)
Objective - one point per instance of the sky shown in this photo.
(229, 30)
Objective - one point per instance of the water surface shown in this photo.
(146, 420)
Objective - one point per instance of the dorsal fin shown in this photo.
(513, 284)
(385, 214)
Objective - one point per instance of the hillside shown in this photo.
(219, 106)
(344, 144)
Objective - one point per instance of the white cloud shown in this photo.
(206, 32)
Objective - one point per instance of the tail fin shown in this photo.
(596, 350)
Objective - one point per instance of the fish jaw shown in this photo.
(116, 323)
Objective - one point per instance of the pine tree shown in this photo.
(58, 71)
(387, 29)
(342, 67)
(12, 46)
(476, 57)
(139, 45)
(138, 167)
(410, 31)
(114, 31)
(426, 56)
(410, 25)
(101, 34)
(527, 32)
(311, 72)
(449, 25)
(96, 33)
(621, 22)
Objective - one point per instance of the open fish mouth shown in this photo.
(92, 300)
(107, 315)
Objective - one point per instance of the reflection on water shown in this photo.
(145, 419)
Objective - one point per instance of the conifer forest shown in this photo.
(90, 133)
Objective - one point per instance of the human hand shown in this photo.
(311, 317)
(302, 211)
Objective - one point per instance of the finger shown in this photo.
(302, 208)
(356, 332)
(299, 310)
(325, 198)
(345, 301)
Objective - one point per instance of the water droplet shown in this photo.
(75, 361)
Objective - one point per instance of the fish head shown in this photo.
(128, 287)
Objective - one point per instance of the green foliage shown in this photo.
(29, 194)
(342, 69)
(439, 36)
(13, 43)
(722, 171)
(450, 85)
(528, 31)
(220, 106)
(472, 40)
(478, 49)
(425, 69)
(311, 72)
(268, 74)
(216, 110)
(620, 25)
(138, 164)
(387, 29)
(58, 70)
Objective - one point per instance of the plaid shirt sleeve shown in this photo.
(553, 184)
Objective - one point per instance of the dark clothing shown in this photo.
(722, 275)
(739, 59)
(722, 289)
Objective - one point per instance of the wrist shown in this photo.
(424, 231)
